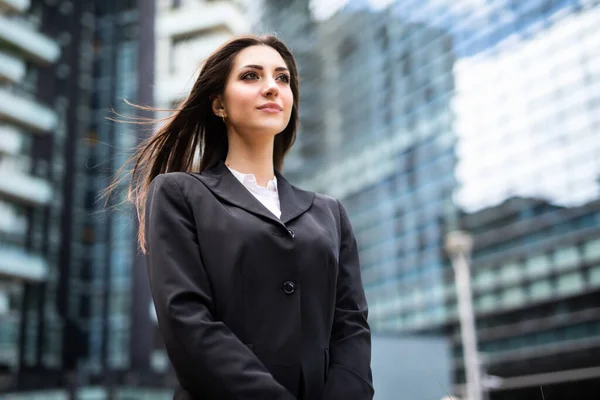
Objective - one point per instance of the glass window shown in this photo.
(119, 303)
(591, 250)
(540, 289)
(544, 338)
(510, 273)
(566, 258)
(485, 279)
(118, 345)
(595, 276)
(576, 332)
(570, 283)
(486, 302)
(538, 266)
(513, 297)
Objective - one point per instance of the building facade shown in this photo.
(536, 281)
(32, 133)
(74, 288)
(387, 152)
(187, 32)
(295, 25)
(437, 114)
(118, 324)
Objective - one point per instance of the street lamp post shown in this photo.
(459, 245)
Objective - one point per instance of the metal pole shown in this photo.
(459, 245)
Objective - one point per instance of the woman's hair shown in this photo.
(193, 129)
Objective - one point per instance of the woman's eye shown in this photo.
(250, 75)
(285, 78)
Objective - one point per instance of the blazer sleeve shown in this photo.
(209, 360)
(349, 375)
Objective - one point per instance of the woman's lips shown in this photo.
(270, 108)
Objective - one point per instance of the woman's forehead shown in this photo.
(262, 56)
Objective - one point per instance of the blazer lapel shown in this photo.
(219, 180)
(294, 202)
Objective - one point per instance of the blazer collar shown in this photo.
(220, 181)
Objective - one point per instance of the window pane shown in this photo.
(540, 290)
(591, 250)
(595, 276)
(511, 273)
(484, 279)
(566, 258)
(486, 302)
(538, 266)
(513, 297)
(570, 283)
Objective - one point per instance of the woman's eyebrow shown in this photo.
(260, 67)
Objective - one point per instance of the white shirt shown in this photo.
(268, 196)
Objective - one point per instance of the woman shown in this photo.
(256, 283)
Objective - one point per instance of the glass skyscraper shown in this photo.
(38, 92)
(74, 311)
(477, 115)
(293, 23)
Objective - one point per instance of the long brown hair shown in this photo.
(194, 129)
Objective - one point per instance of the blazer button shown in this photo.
(291, 233)
(289, 287)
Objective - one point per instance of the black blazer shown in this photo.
(251, 306)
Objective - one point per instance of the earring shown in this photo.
(224, 118)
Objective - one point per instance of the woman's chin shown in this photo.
(268, 129)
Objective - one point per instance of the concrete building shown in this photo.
(74, 309)
(294, 24)
(30, 185)
(437, 106)
(536, 281)
(386, 151)
(187, 31)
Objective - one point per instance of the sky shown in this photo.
(523, 117)
(506, 99)
(324, 9)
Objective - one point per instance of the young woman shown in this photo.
(256, 283)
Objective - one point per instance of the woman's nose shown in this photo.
(270, 88)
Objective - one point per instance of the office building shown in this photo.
(526, 110)
(81, 307)
(32, 132)
(536, 281)
(294, 24)
(387, 153)
(187, 32)
(119, 330)
(434, 107)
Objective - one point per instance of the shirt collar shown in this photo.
(250, 179)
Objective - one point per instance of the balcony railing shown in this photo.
(9, 339)
(187, 21)
(11, 140)
(16, 6)
(11, 68)
(25, 189)
(26, 112)
(16, 34)
(17, 263)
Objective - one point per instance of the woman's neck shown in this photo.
(251, 158)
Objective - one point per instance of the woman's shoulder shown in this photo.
(186, 182)
(179, 178)
(325, 201)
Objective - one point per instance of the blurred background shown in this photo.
(463, 137)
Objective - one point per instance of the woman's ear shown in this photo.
(217, 106)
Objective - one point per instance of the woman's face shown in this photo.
(258, 98)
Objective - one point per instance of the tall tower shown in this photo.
(293, 23)
(31, 132)
(187, 31)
